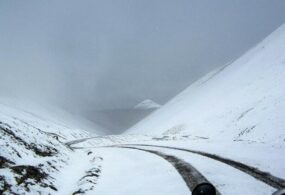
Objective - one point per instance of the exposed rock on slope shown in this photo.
(32, 151)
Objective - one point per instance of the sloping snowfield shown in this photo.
(33, 154)
(226, 131)
(244, 100)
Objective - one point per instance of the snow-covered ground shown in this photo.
(33, 152)
(236, 111)
(228, 128)
(244, 100)
(227, 179)
(129, 172)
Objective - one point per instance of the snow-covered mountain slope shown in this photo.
(46, 112)
(244, 100)
(33, 153)
(46, 151)
(147, 105)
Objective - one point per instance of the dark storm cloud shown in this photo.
(106, 54)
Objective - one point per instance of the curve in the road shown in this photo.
(192, 177)
(262, 176)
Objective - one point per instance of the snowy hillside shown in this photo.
(244, 100)
(33, 153)
(147, 104)
(231, 122)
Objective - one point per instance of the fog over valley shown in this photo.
(98, 55)
(142, 97)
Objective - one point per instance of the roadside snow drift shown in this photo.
(244, 100)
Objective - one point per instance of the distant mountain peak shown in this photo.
(147, 104)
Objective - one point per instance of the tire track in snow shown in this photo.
(262, 176)
(190, 175)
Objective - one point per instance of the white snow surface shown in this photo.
(244, 100)
(32, 112)
(147, 104)
(222, 181)
(33, 152)
(235, 112)
(129, 172)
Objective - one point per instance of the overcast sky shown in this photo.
(94, 54)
